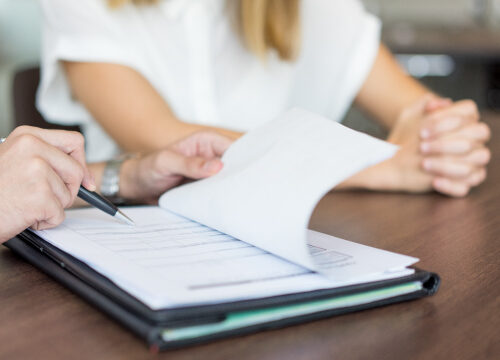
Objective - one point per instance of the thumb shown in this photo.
(421, 105)
(199, 168)
(437, 103)
(193, 167)
(417, 109)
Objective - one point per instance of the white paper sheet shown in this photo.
(168, 261)
(272, 179)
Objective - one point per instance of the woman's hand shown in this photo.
(41, 172)
(146, 177)
(403, 172)
(453, 145)
(442, 148)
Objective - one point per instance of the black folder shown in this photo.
(151, 325)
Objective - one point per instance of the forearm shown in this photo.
(402, 172)
(380, 177)
(128, 108)
(181, 130)
(388, 90)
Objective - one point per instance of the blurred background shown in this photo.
(453, 46)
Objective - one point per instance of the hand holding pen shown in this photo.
(42, 172)
(48, 168)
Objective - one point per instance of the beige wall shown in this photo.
(438, 13)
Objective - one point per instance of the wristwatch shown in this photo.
(110, 181)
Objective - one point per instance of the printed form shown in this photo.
(169, 261)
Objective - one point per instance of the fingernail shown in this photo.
(427, 164)
(91, 185)
(425, 133)
(212, 167)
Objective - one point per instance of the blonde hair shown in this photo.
(264, 24)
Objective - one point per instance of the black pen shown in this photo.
(103, 204)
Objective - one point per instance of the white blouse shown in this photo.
(188, 50)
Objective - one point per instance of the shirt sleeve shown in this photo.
(340, 42)
(75, 30)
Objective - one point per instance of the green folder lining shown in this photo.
(243, 319)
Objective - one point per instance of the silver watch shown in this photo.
(110, 182)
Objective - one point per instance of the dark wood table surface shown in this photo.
(457, 238)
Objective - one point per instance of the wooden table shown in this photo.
(457, 238)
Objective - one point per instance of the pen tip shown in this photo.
(124, 218)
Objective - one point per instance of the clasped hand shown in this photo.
(443, 146)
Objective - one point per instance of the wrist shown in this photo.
(128, 179)
(13, 221)
(384, 176)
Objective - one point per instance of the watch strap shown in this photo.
(110, 181)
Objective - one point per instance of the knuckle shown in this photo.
(26, 141)
(471, 107)
(486, 131)
(481, 156)
(484, 174)
(78, 138)
(23, 129)
(74, 174)
(478, 177)
(487, 155)
(37, 167)
(464, 191)
(59, 216)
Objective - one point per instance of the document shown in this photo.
(168, 261)
(273, 178)
(243, 233)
